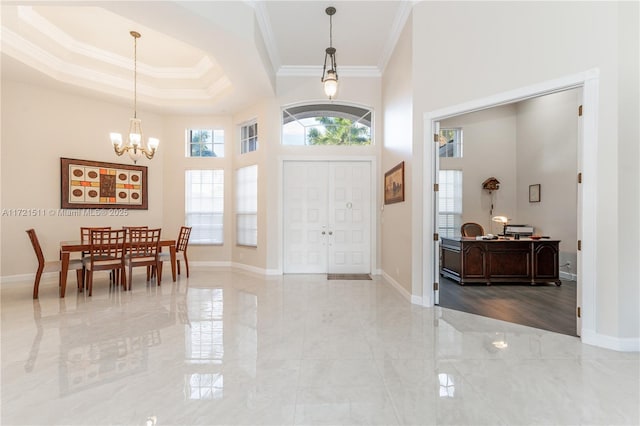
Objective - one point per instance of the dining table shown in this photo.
(77, 246)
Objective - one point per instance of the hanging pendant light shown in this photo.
(330, 76)
(134, 145)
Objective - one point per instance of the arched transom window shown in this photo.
(326, 124)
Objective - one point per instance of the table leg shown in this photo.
(172, 253)
(64, 256)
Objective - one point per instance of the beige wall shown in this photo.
(547, 155)
(38, 127)
(489, 147)
(397, 120)
(175, 165)
(502, 48)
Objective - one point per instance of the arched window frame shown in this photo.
(361, 116)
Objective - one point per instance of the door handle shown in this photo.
(323, 232)
(330, 232)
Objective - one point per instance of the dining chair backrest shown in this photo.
(49, 266)
(183, 238)
(143, 242)
(107, 244)
(85, 231)
(36, 245)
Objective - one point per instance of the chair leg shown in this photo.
(80, 278)
(123, 278)
(36, 283)
(178, 263)
(186, 262)
(159, 272)
(130, 275)
(89, 281)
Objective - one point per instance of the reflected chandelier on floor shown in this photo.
(134, 144)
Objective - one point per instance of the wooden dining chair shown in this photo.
(51, 265)
(85, 231)
(85, 235)
(181, 249)
(142, 250)
(106, 254)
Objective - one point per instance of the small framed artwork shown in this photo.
(534, 193)
(98, 185)
(394, 185)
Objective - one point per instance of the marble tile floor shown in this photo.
(227, 347)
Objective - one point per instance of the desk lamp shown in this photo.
(504, 220)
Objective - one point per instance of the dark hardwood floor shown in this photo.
(542, 306)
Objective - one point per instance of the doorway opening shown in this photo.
(501, 153)
(586, 190)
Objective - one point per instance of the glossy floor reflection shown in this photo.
(229, 347)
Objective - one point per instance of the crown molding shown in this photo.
(316, 71)
(49, 64)
(394, 35)
(264, 24)
(70, 45)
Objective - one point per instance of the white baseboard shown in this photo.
(403, 292)
(620, 344)
(568, 276)
(217, 264)
(27, 277)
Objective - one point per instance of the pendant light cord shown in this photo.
(330, 30)
(135, 77)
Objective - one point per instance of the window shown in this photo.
(247, 206)
(326, 124)
(450, 143)
(204, 205)
(450, 203)
(205, 143)
(249, 137)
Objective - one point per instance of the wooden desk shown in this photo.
(68, 247)
(467, 260)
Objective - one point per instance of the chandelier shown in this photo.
(134, 145)
(330, 76)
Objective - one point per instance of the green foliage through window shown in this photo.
(326, 124)
(205, 143)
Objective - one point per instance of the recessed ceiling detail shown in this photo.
(94, 51)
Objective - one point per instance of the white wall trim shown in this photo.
(622, 344)
(403, 292)
(587, 164)
(396, 30)
(215, 264)
(568, 276)
(8, 279)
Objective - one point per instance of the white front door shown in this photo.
(327, 217)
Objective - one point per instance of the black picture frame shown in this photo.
(534, 193)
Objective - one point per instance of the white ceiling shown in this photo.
(210, 57)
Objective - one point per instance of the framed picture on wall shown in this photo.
(394, 185)
(96, 185)
(534, 193)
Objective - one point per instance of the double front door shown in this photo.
(327, 217)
